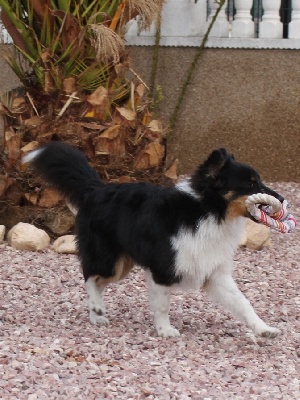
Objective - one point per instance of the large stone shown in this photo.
(27, 237)
(61, 223)
(2, 233)
(256, 235)
(65, 244)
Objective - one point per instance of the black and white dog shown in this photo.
(183, 237)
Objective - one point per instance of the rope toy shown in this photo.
(271, 212)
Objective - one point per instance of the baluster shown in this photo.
(271, 27)
(221, 25)
(243, 26)
(294, 25)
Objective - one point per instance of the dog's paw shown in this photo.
(167, 331)
(268, 332)
(98, 318)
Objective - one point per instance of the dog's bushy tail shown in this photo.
(66, 168)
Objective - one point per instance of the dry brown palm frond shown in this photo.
(107, 43)
(148, 11)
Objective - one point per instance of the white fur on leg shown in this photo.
(159, 298)
(222, 288)
(95, 301)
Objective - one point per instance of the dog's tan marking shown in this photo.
(205, 284)
(229, 195)
(237, 208)
(121, 270)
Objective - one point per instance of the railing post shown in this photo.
(271, 27)
(294, 25)
(221, 25)
(243, 26)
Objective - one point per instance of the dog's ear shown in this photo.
(215, 162)
(207, 173)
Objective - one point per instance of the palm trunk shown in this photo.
(13, 31)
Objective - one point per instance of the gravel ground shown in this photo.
(49, 350)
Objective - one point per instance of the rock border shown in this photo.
(24, 236)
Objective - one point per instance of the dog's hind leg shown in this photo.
(95, 286)
(159, 298)
(222, 288)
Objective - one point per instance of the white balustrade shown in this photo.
(221, 25)
(243, 26)
(294, 25)
(271, 27)
(187, 19)
(184, 24)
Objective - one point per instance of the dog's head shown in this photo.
(222, 176)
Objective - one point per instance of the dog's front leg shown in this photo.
(159, 298)
(222, 288)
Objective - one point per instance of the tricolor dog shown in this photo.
(184, 237)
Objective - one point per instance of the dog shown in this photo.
(184, 237)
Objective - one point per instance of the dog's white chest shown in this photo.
(199, 253)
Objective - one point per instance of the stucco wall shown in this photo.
(245, 100)
(8, 79)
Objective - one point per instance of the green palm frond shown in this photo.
(16, 67)
(89, 78)
(78, 39)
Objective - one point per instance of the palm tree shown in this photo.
(78, 87)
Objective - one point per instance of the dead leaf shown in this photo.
(46, 135)
(99, 97)
(140, 132)
(120, 67)
(33, 121)
(99, 105)
(172, 171)
(123, 179)
(111, 142)
(151, 156)
(69, 85)
(29, 146)
(5, 183)
(146, 118)
(50, 197)
(111, 133)
(155, 125)
(32, 198)
(129, 115)
(155, 131)
(140, 90)
(46, 56)
(18, 105)
(12, 143)
(90, 125)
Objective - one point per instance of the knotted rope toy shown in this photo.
(271, 212)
